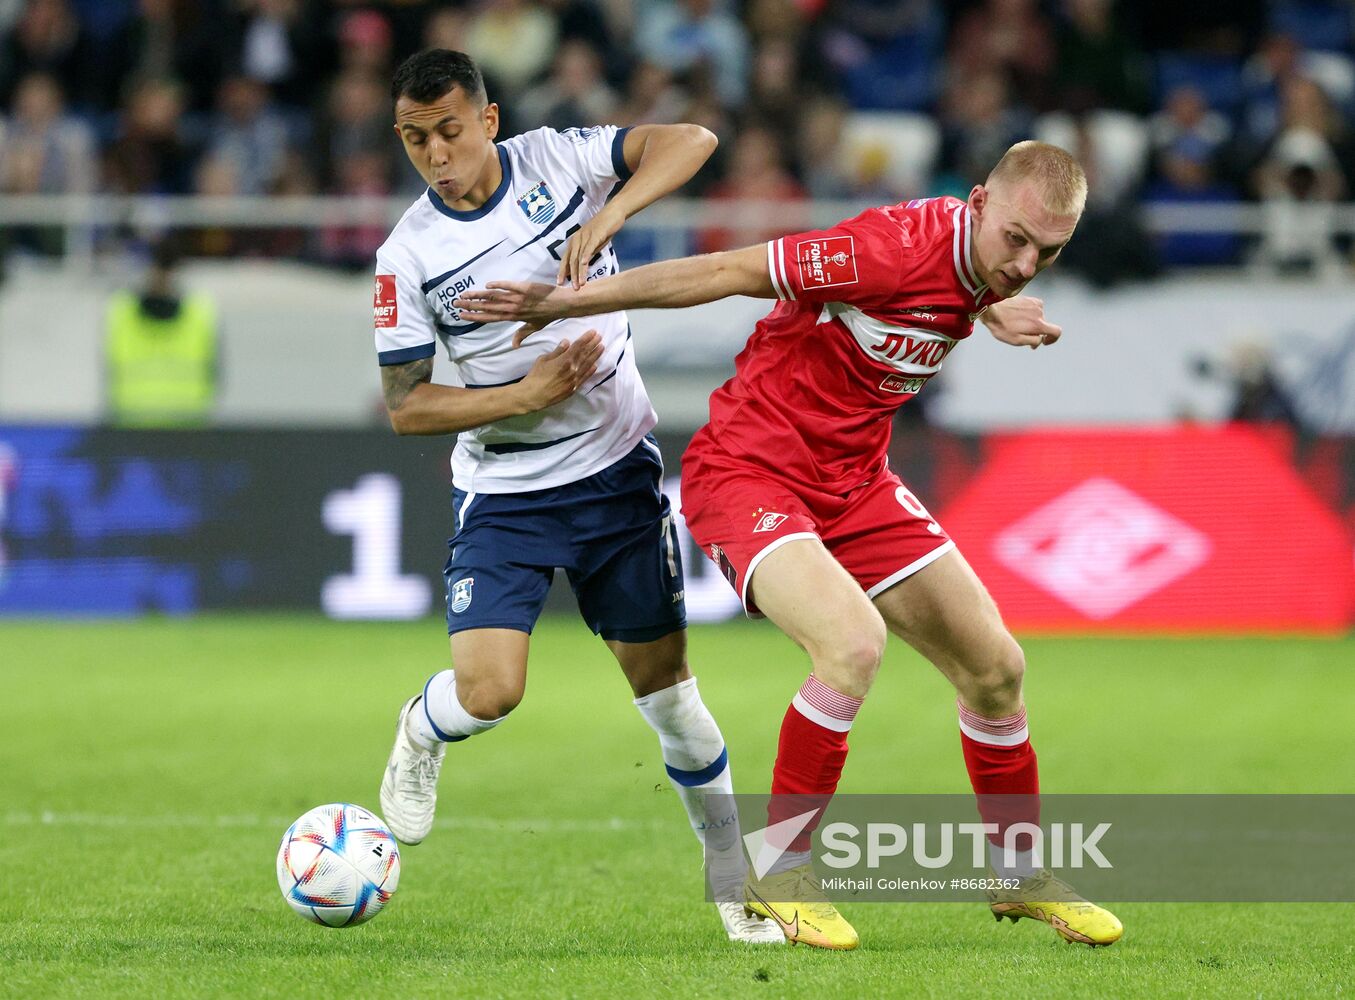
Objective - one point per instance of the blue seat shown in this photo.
(902, 76)
(1184, 248)
(1218, 78)
(103, 18)
(1315, 24)
(636, 246)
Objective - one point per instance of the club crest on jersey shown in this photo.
(537, 204)
(769, 522)
(828, 261)
(461, 594)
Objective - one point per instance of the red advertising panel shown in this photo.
(1178, 529)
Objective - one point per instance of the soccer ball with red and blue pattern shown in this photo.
(338, 865)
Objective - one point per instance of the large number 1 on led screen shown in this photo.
(370, 512)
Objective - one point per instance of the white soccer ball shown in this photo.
(338, 865)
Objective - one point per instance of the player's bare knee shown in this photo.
(1011, 665)
(850, 660)
(647, 682)
(492, 700)
(653, 666)
(995, 685)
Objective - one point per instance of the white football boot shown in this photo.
(409, 788)
(741, 925)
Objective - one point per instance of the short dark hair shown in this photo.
(432, 73)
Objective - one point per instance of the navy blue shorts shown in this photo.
(612, 533)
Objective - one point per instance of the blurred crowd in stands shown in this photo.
(1211, 101)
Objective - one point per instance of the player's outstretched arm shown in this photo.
(661, 158)
(417, 406)
(1020, 322)
(667, 284)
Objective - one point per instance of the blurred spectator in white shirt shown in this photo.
(279, 43)
(1299, 181)
(42, 149)
(1186, 115)
(248, 134)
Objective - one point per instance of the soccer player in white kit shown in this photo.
(554, 464)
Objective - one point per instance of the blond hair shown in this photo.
(1060, 178)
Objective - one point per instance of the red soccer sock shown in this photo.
(810, 754)
(1002, 769)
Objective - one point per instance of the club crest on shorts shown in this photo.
(769, 522)
(461, 594)
(537, 204)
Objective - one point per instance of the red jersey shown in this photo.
(869, 310)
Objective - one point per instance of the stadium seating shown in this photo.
(1218, 78)
(910, 142)
(1315, 24)
(1120, 141)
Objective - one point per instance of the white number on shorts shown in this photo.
(914, 506)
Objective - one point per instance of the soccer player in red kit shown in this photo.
(788, 487)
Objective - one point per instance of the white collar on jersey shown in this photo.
(963, 252)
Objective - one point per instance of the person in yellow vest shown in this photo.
(161, 351)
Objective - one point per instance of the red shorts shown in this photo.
(738, 514)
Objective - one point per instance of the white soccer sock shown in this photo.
(1023, 865)
(697, 763)
(789, 860)
(439, 716)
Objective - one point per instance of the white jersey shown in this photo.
(553, 182)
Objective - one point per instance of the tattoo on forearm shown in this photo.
(398, 381)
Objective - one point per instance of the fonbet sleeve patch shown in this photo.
(384, 311)
(827, 261)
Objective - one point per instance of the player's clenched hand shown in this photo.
(1020, 322)
(561, 373)
(583, 246)
(532, 303)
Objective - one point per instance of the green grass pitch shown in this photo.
(148, 769)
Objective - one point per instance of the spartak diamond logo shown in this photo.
(1101, 548)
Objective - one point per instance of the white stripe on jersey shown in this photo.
(774, 248)
(909, 350)
(964, 253)
(960, 249)
(782, 271)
